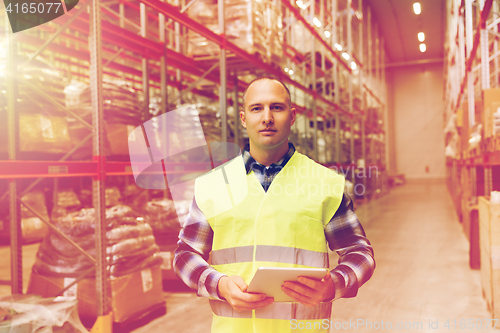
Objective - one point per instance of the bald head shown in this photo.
(272, 78)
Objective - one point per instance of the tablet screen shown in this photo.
(268, 280)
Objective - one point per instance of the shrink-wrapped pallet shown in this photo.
(164, 216)
(33, 229)
(122, 111)
(31, 313)
(130, 244)
(254, 26)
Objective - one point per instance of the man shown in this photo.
(283, 221)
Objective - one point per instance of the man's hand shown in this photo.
(310, 292)
(233, 289)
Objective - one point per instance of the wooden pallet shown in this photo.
(141, 319)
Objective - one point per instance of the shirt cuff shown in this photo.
(207, 284)
(339, 284)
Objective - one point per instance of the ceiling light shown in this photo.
(286, 70)
(422, 47)
(421, 36)
(338, 47)
(301, 4)
(316, 22)
(346, 56)
(327, 34)
(353, 66)
(290, 72)
(416, 8)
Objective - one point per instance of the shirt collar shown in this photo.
(251, 163)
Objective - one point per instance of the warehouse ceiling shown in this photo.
(399, 26)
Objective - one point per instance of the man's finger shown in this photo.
(252, 298)
(298, 287)
(244, 306)
(311, 283)
(238, 280)
(301, 298)
(238, 294)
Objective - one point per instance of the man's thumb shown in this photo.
(238, 280)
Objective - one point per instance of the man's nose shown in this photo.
(268, 116)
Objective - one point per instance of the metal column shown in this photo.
(485, 62)
(16, 262)
(337, 137)
(313, 69)
(485, 83)
(363, 101)
(495, 9)
(351, 54)
(380, 62)
(469, 44)
(461, 49)
(236, 112)
(145, 65)
(163, 65)
(335, 79)
(223, 78)
(177, 40)
(488, 180)
(377, 57)
(370, 45)
(473, 179)
(98, 193)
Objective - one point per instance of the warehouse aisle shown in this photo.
(422, 279)
(422, 276)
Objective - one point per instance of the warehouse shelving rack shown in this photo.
(473, 171)
(144, 57)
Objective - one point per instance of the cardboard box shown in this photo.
(46, 134)
(131, 294)
(33, 229)
(491, 103)
(167, 268)
(117, 136)
(484, 245)
(489, 233)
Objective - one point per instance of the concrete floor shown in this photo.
(421, 283)
(422, 279)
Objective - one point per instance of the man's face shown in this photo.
(267, 115)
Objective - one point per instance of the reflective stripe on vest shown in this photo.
(278, 310)
(270, 253)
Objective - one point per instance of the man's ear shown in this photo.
(242, 118)
(293, 113)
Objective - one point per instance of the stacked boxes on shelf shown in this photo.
(489, 242)
(42, 126)
(254, 26)
(491, 109)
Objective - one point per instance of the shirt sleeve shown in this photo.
(346, 236)
(191, 255)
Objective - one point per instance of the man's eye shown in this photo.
(277, 107)
(257, 108)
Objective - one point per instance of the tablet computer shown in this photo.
(268, 280)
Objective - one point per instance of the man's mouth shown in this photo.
(268, 130)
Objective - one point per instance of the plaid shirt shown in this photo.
(344, 234)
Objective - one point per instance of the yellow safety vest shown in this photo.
(283, 227)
